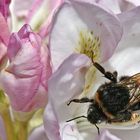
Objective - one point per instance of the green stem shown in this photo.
(22, 131)
(8, 124)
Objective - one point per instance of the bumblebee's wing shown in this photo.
(133, 84)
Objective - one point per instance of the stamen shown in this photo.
(88, 43)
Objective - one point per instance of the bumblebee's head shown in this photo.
(95, 114)
(113, 97)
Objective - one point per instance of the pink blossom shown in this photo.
(24, 80)
(68, 82)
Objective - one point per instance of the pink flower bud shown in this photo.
(25, 78)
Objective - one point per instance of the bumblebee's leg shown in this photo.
(111, 76)
(82, 100)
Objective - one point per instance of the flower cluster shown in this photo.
(47, 54)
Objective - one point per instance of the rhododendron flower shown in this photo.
(24, 80)
(68, 83)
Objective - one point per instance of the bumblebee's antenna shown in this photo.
(76, 118)
(86, 118)
(97, 128)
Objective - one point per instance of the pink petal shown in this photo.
(4, 34)
(21, 7)
(135, 2)
(35, 18)
(3, 51)
(46, 62)
(47, 25)
(55, 3)
(14, 46)
(36, 4)
(117, 6)
(4, 7)
(15, 43)
(24, 31)
(24, 74)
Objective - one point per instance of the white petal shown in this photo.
(126, 58)
(65, 83)
(65, 34)
(38, 134)
(127, 134)
(81, 16)
(131, 24)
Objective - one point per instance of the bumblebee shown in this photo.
(114, 101)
